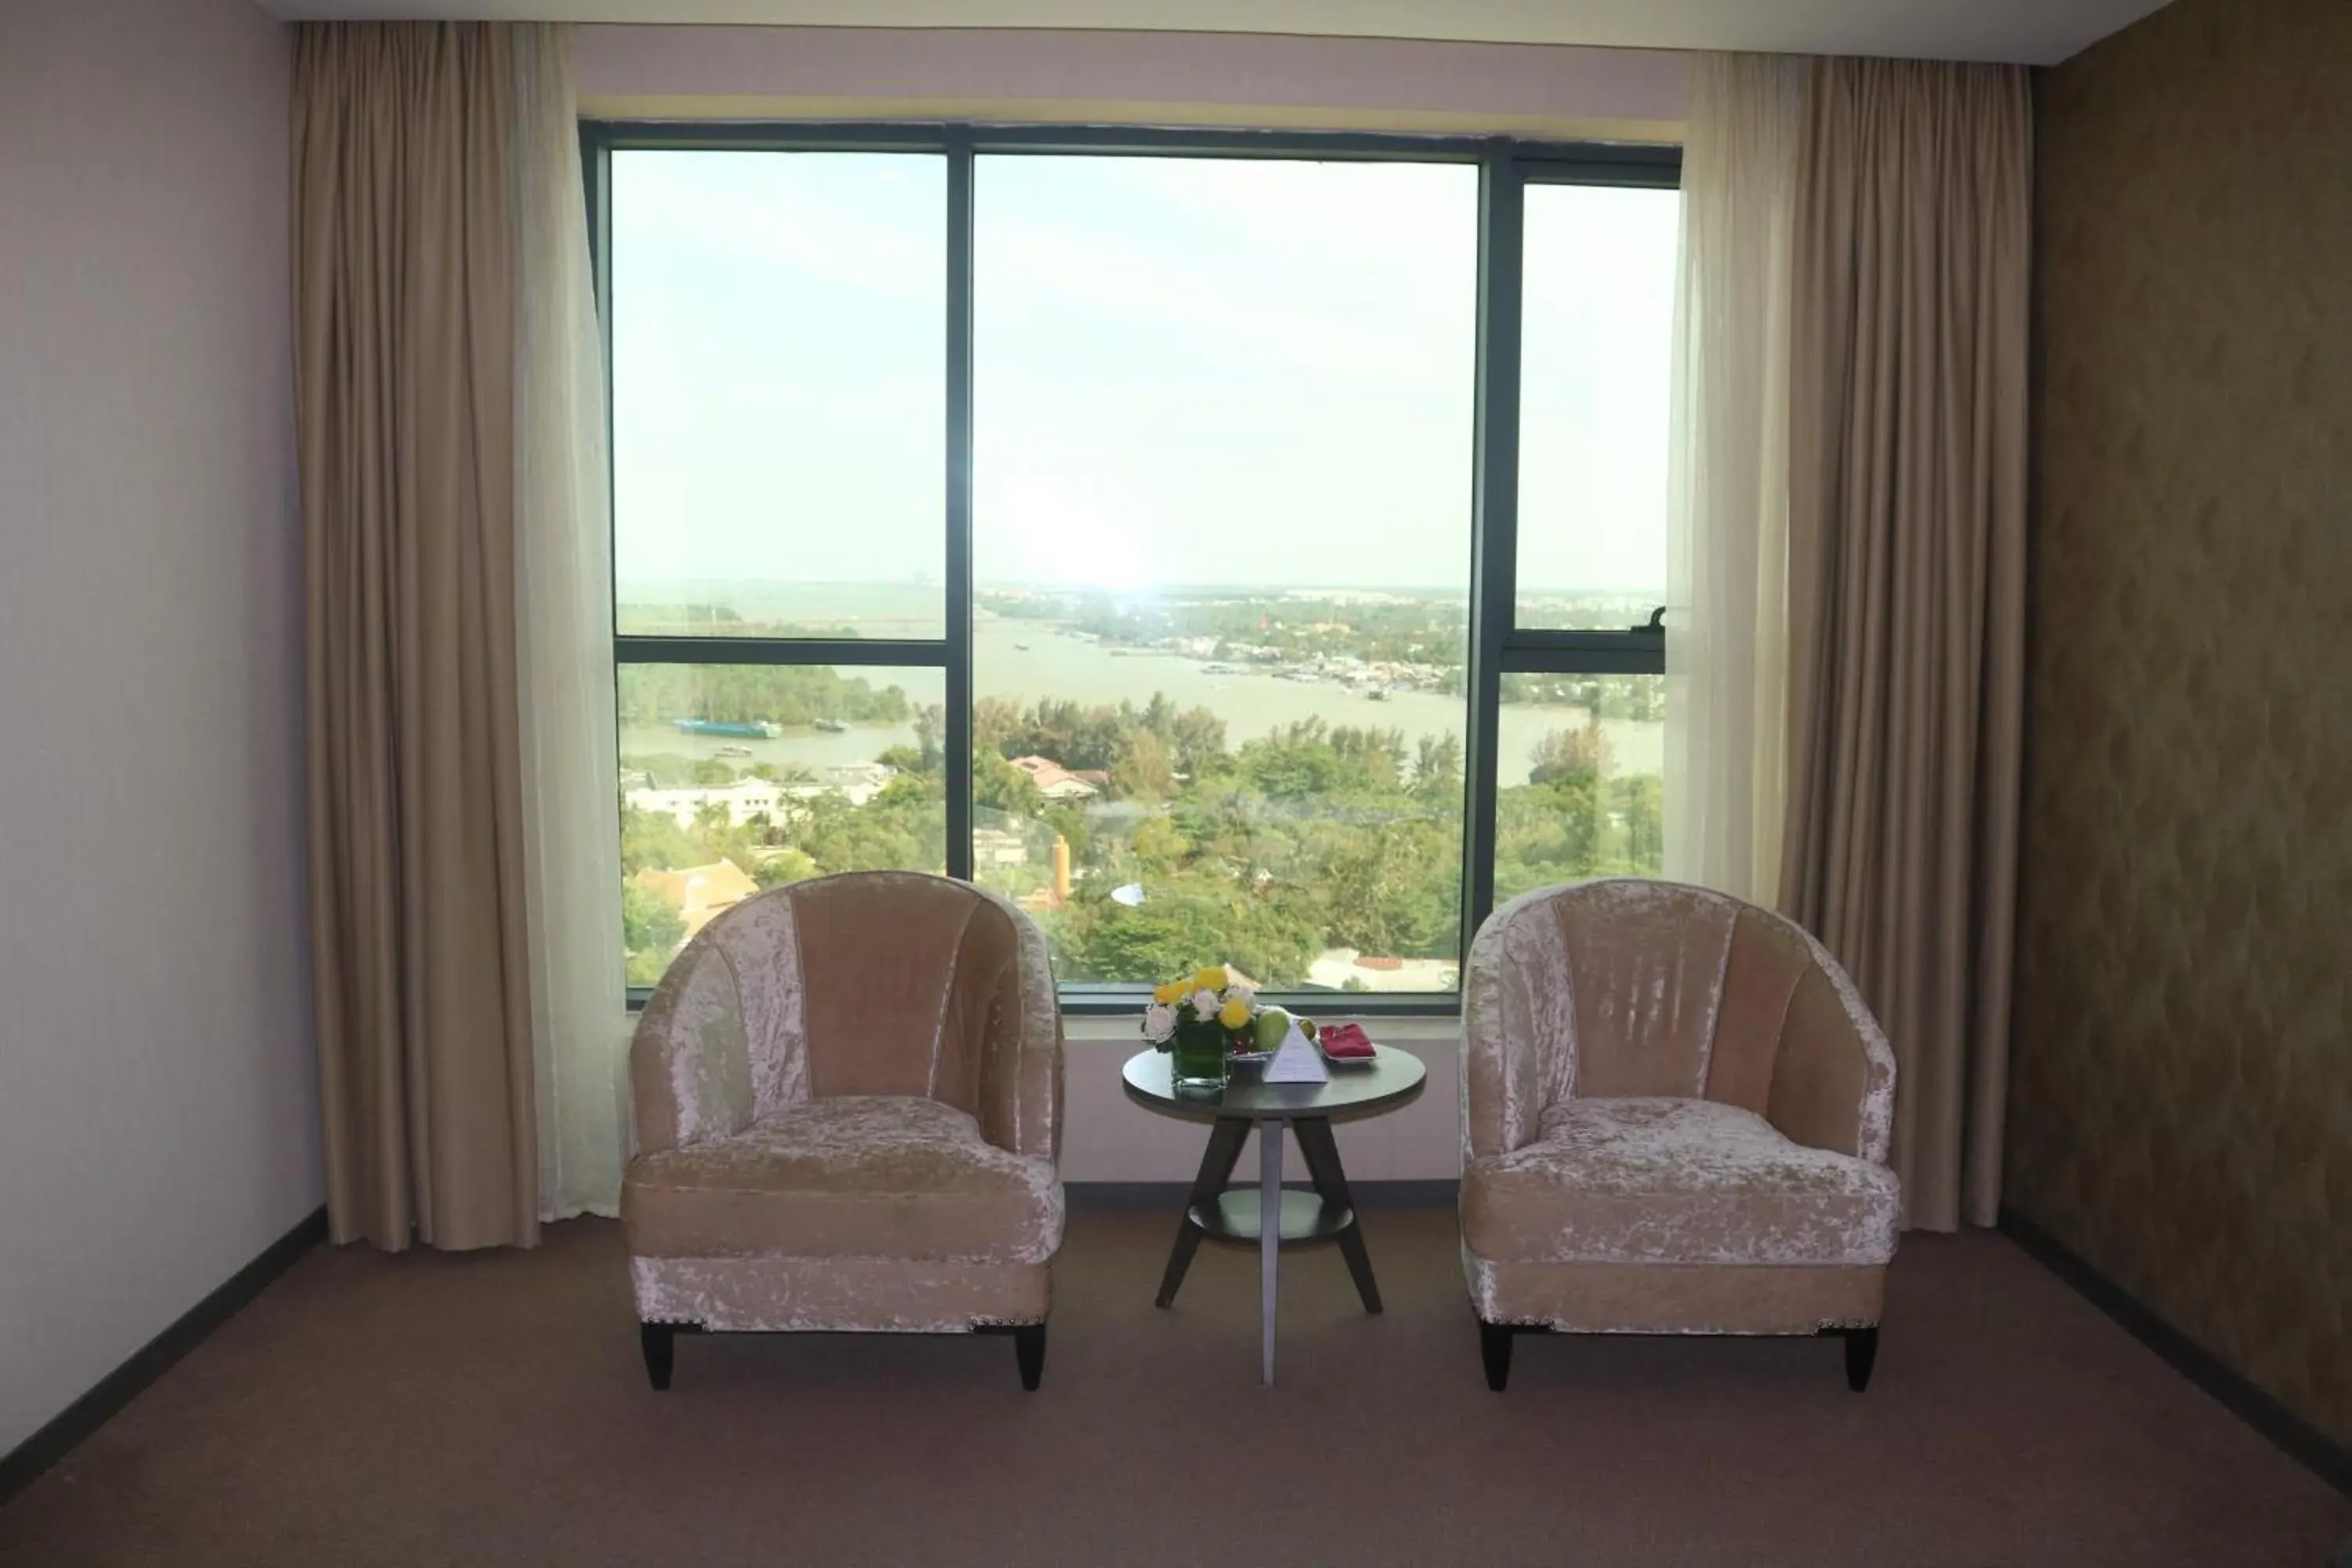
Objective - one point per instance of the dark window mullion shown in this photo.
(1494, 533)
(959, 505)
(884, 653)
(1631, 661)
(1584, 653)
(1629, 167)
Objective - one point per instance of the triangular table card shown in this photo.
(1296, 1061)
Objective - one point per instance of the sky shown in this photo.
(1188, 371)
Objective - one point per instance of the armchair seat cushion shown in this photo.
(1671, 1180)
(876, 1176)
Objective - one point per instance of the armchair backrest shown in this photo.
(1637, 987)
(891, 983)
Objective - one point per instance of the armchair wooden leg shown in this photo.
(1495, 1346)
(1029, 1350)
(659, 1341)
(1861, 1355)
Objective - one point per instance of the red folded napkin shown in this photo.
(1344, 1041)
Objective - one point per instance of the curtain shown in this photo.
(571, 803)
(405, 382)
(1907, 589)
(1728, 512)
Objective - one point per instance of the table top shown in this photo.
(1393, 1079)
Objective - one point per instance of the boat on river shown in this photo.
(734, 728)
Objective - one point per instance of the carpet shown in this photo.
(491, 1408)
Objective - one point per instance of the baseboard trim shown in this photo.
(1167, 1197)
(44, 1448)
(2302, 1442)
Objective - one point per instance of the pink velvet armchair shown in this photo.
(1675, 1120)
(848, 1100)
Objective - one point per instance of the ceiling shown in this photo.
(2037, 32)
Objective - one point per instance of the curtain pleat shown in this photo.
(1908, 386)
(405, 374)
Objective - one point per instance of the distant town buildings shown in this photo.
(998, 848)
(699, 892)
(1055, 781)
(749, 799)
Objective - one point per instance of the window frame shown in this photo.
(1497, 645)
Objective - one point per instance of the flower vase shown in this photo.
(1197, 1064)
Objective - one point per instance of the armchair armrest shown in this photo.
(690, 1059)
(1021, 1054)
(1833, 1079)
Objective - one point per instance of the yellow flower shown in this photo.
(1233, 1014)
(1168, 992)
(1212, 978)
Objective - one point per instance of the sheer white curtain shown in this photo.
(1727, 520)
(571, 806)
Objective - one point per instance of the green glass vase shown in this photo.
(1198, 1060)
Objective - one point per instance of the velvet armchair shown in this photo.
(1675, 1112)
(848, 1097)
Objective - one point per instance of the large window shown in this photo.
(1229, 547)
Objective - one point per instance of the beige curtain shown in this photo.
(405, 383)
(1908, 382)
(1727, 477)
(563, 530)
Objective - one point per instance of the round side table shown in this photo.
(1236, 1216)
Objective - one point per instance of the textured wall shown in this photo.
(2181, 1111)
(158, 1097)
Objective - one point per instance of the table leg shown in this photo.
(1270, 1234)
(1217, 1162)
(1322, 1154)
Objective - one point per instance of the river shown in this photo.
(1030, 660)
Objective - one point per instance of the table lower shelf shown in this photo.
(1235, 1218)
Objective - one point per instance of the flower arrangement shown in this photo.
(1202, 1020)
(1209, 996)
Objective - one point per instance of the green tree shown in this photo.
(1142, 767)
(1192, 921)
(651, 931)
(1437, 768)
(999, 786)
(652, 838)
(930, 736)
(1583, 753)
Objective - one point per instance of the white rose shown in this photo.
(1158, 1021)
(1206, 1003)
(1237, 991)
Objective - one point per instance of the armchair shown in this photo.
(848, 1097)
(1675, 1112)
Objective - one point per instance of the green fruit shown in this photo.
(1307, 1028)
(1273, 1023)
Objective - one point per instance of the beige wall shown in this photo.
(2181, 1110)
(1013, 74)
(157, 1096)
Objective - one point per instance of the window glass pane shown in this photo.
(1222, 477)
(1582, 784)
(738, 777)
(1596, 366)
(778, 392)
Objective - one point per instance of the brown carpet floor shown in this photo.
(491, 1409)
